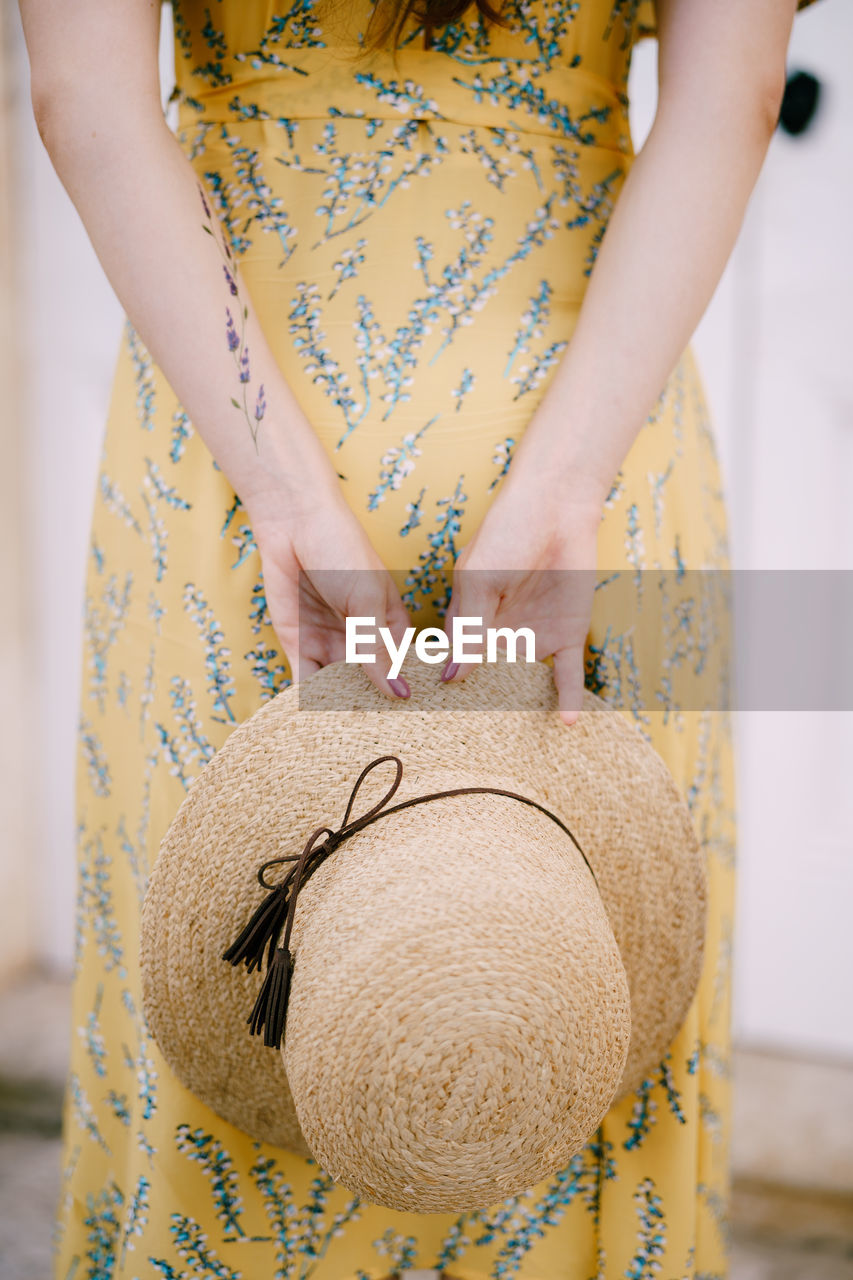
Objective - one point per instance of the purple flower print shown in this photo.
(231, 332)
(260, 404)
(237, 344)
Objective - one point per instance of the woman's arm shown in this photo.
(96, 98)
(721, 76)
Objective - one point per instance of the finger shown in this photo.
(473, 597)
(301, 662)
(568, 677)
(380, 600)
(283, 607)
(453, 609)
(303, 667)
(397, 617)
(396, 648)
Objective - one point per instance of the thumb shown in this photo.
(291, 638)
(281, 594)
(391, 614)
(303, 666)
(298, 659)
(568, 677)
(474, 599)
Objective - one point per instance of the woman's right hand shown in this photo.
(320, 568)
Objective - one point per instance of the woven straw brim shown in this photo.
(444, 956)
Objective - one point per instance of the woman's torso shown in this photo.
(416, 229)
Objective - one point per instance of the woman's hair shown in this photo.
(390, 16)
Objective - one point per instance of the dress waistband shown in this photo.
(565, 104)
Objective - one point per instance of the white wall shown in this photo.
(18, 791)
(71, 333)
(774, 348)
(772, 351)
(795, 458)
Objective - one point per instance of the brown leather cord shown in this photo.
(427, 34)
(278, 910)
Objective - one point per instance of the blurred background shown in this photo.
(775, 350)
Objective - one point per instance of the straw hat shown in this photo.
(469, 980)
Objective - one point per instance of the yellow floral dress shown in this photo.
(416, 233)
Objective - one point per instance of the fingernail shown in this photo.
(399, 686)
(450, 671)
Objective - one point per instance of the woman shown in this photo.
(355, 345)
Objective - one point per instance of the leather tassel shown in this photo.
(271, 1005)
(264, 928)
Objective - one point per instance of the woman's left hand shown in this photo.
(532, 563)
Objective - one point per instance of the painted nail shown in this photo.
(400, 688)
(450, 671)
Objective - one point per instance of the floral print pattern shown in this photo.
(416, 234)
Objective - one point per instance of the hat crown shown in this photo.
(491, 1001)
